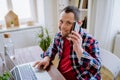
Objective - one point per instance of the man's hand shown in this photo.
(77, 43)
(42, 63)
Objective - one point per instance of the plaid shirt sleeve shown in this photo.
(90, 60)
(52, 50)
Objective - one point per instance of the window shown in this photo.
(25, 9)
(22, 8)
(3, 9)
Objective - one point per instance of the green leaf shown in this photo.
(45, 39)
(40, 35)
(5, 76)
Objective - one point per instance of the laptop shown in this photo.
(25, 71)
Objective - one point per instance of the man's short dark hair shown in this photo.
(74, 10)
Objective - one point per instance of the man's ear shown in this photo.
(59, 28)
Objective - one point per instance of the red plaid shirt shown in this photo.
(88, 66)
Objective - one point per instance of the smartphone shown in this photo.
(76, 27)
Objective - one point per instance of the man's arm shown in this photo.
(91, 61)
(87, 53)
(47, 56)
(52, 50)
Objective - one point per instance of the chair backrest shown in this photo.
(110, 61)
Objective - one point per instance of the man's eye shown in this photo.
(61, 21)
(69, 23)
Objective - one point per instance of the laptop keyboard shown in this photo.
(26, 73)
(27, 69)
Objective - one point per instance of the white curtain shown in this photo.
(102, 27)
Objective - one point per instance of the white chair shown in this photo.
(110, 61)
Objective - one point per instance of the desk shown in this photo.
(30, 54)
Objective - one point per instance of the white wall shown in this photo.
(50, 7)
(116, 23)
(41, 12)
(116, 14)
(47, 14)
(105, 22)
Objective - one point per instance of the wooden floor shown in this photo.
(107, 75)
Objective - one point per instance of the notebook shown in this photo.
(26, 71)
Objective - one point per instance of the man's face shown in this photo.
(66, 22)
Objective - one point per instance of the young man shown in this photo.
(78, 51)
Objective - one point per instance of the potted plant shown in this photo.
(45, 39)
(5, 76)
